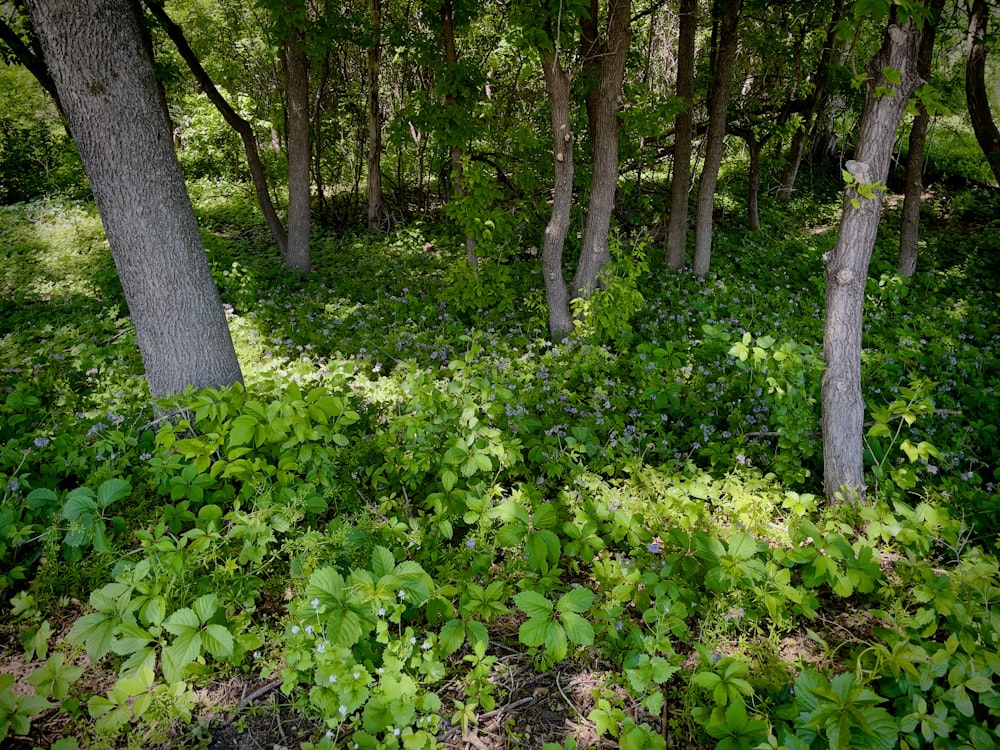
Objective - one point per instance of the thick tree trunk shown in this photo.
(604, 68)
(374, 118)
(909, 231)
(814, 105)
(105, 81)
(975, 87)
(234, 120)
(457, 152)
(680, 184)
(847, 265)
(556, 295)
(715, 139)
(296, 64)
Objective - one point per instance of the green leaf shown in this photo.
(96, 632)
(80, 502)
(112, 491)
(218, 641)
(242, 430)
(182, 621)
(534, 604)
(535, 631)
(575, 600)
(578, 630)
(383, 562)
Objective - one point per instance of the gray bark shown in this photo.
(814, 105)
(987, 133)
(94, 53)
(847, 266)
(716, 137)
(556, 294)
(604, 66)
(235, 121)
(909, 231)
(296, 65)
(374, 185)
(680, 185)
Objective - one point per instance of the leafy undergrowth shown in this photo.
(420, 524)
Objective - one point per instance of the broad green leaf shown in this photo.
(80, 502)
(112, 491)
(533, 604)
(383, 562)
(182, 621)
(534, 632)
(218, 641)
(578, 630)
(96, 632)
(575, 600)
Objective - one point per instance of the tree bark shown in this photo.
(604, 69)
(814, 104)
(975, 87)
(296, 66)
(680, 183)
(234, 120)
(556, 295)
(457, 152)
(847, 264)
(94, 53)
(909, 231)
(374, 118)
(716, 137)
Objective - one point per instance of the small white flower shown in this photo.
(321, 648)
(295, 629)
(343, 710)
(381, 611)
(426, 645)
(401, 594)
(413, 640)
(329, 734)
(356, 675)
(396, 732)
(333, 678)
(314, 603)
(309, 629)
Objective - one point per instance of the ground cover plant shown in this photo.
(420, 524)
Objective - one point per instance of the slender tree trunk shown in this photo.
(296, 64)
(94, 54)
(235, 121)
(909, 230)
(457, 151)
(715, 140)
(975, 87)
(847, 265)
(814, 105)
(604, 67)
(374, 118)
(557, 297)
(680, 184)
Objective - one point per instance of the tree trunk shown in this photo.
(374, 118)
(604, 68)
(715, 139)
(847, 264)
(105, 81)
(975, 87)
(556, 295)
(457, 152)
(235, 121)
(296, 65)
(814, 104)
(680, 184)
(909, 230)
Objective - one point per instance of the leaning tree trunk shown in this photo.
(556, 295)
(680, 183)
(296, 64)
(716, 137)
(235, 121)
(814, 105)
(847, 264)
(374, 118)
(105, 82)
(975, 87)
(909, 230)
(604, 67)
